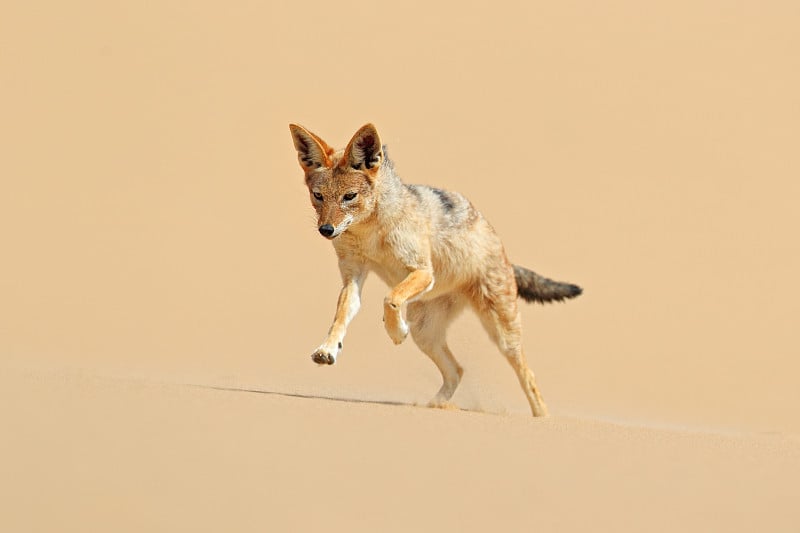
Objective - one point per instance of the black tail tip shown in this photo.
(565, 292)
(573, 291)
(562, 292)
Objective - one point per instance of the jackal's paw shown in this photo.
(396, 327)
(439, 403)
(325, 356)
(393, 321)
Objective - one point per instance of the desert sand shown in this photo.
(162, 283)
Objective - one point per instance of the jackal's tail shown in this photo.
(532, 287)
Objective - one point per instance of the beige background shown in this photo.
(155, 229)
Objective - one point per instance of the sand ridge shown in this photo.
(102, 452)
(159, 253)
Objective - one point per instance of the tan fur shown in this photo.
(433, 248)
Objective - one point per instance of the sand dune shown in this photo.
(93, 454)
(162, 284)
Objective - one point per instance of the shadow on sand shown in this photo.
(304, 396)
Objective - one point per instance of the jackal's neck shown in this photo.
(391, 194)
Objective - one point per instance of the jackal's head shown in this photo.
(341, 184)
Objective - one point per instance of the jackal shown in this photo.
(431, 246)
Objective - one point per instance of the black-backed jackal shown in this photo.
(432, 247)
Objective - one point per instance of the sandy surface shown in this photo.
(162, 284)
(89, 454)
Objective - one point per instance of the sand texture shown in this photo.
(162, 282)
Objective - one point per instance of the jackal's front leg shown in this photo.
(346, 308)
(416, 283)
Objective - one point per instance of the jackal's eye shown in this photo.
(318, 196)
(349, 196)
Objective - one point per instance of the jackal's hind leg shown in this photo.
(428, 324)
(501, 320)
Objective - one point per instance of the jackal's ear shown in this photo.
(312, 152)
(364, 152)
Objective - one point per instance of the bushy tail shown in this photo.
(532, 287)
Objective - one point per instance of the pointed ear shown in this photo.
(312, 152)
(364, 152)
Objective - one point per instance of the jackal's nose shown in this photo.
(326, 230)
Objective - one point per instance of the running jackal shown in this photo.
(432, 247)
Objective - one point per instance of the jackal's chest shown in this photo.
(385, 264)
(373, 252)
